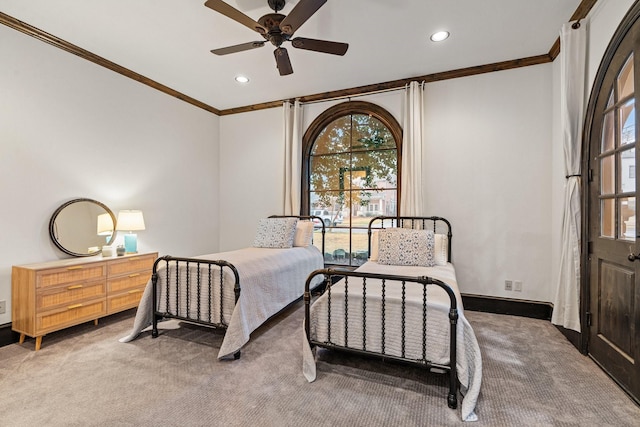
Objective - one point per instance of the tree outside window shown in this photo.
(351, 171)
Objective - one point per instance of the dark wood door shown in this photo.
(614, 235)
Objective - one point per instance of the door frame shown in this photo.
(631, 18)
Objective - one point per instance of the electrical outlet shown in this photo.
(3, 307)
(508, 285)
(517, 285)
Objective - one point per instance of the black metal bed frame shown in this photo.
(330, 278)
(212, 267)
(416, 222)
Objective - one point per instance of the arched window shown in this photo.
(350, 173)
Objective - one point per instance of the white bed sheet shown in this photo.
(270, 279)
(468, 358)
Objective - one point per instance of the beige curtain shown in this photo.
(292, 122)
(566, 304)
(411, 198)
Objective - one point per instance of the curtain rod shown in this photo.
(356, 95)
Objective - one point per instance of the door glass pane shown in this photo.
(608, 139)
(628, 171)
(625, 79)
(607, 218)
(608, 177)
(627, 123)
(628, 218)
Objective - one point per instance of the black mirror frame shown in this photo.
(70, 202)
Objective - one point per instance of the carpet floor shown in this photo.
(532, 376)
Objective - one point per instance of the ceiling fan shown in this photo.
(277, 29)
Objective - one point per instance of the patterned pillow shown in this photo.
(406, 247)
(275, 233)
(375, 240)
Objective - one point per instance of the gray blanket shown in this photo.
(270, 279)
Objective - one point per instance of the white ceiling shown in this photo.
(169, 41)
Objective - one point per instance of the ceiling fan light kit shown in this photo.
(277, 28)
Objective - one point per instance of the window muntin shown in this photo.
(617, 159)
(352, 170)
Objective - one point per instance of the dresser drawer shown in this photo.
(48, 298)
(130, 264)
(72, 314)
(130, 281)
(124, 301)
(71, 274)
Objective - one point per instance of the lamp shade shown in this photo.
(105, 224)
(130, 220)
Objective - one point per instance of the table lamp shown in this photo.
(130, 220)
(105, 225)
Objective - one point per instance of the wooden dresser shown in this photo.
(50, 296)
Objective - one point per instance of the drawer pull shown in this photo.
(75, 267)
(134, 275)
(71, 307)
(135, 291)
(75, 287)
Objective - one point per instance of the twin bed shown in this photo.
(236, 290)
(403, 304)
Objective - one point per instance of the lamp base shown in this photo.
(131, 243)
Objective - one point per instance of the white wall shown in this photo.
(493, 165)
(603, 20)
(487, 168)
(251, 173)
(69, 128)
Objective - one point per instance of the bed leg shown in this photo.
(452, 400)
(154, 328)
(236, 355)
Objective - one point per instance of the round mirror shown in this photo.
(81, 227)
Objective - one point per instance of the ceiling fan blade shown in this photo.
(235, 14)
(282, 61)
(299, 15)
(324, 46)
(237, 48)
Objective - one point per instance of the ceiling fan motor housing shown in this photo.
(274, 34)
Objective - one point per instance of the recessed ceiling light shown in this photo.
(242, 79)
(439, 36)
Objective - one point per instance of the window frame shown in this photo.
(328, 116)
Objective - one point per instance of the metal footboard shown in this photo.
(359, 290)
(195, 289)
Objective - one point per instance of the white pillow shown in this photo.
(304, 234)
(406, 247)
(441, 249)
(375, 238)
(275, 233)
